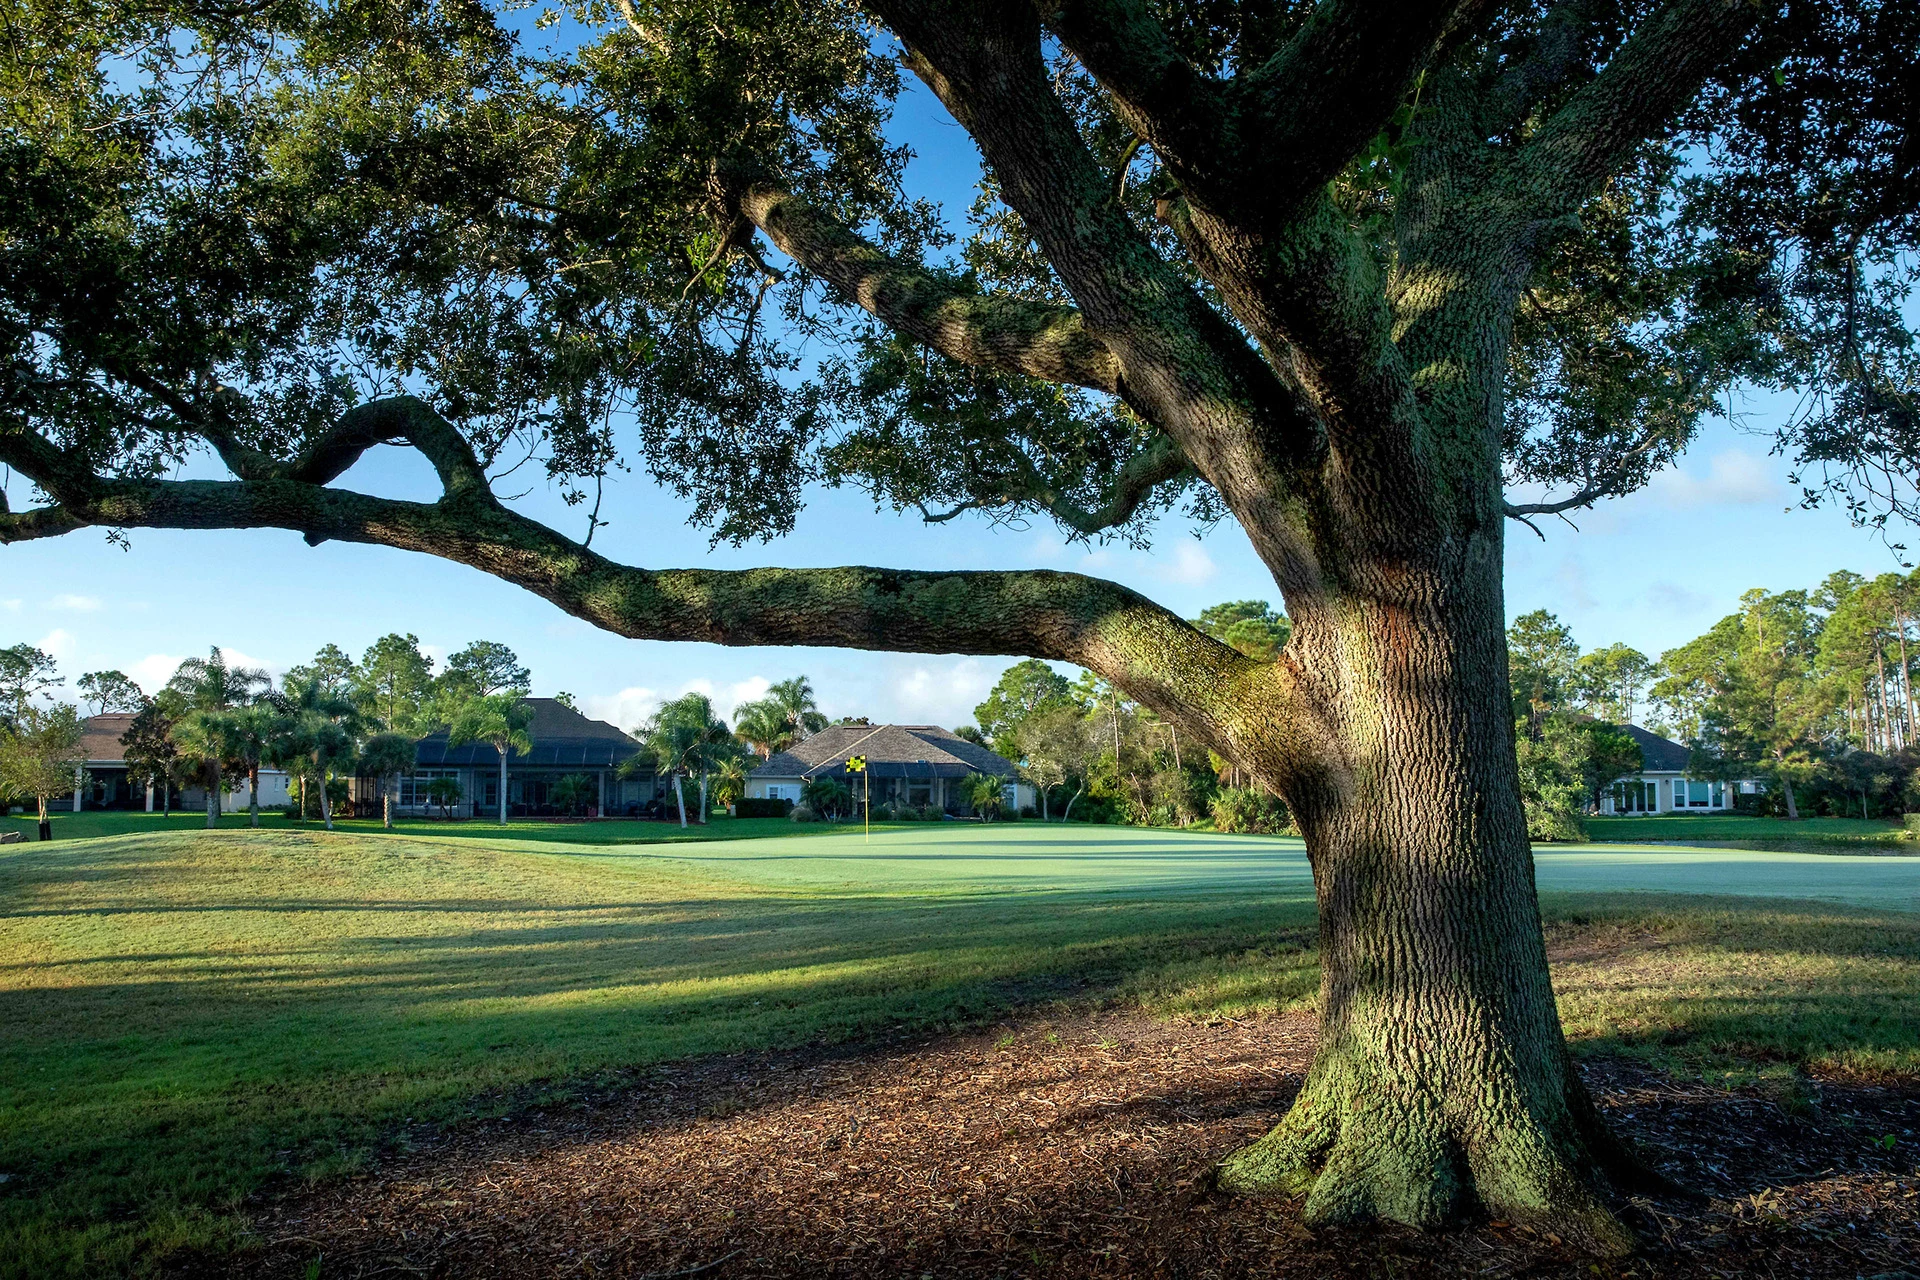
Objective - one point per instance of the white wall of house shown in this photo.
(774, 789)
(1677, 793)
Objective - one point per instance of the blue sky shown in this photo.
(1653, 570)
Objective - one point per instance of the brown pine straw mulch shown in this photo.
(1066, 1144)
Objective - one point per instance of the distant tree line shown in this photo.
(1096, 755)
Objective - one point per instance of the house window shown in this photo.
(919, 794)
(783, 791)
(1010, 794)
(1698, 794)
(413, 786)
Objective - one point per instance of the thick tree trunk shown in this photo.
(214, 785)
(253, 796)
(386, 803)
(326, 805)
(680, 798)
(503, 786)
(703, 799)
(1442, 1085)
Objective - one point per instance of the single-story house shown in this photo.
(916, 764)
(564, 743)
(1662, 785)
(105, 784)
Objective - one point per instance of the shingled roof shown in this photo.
(892, 751)
(562, 739)
(1658, 754)
(100, 736)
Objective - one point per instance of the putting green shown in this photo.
(1028, 857)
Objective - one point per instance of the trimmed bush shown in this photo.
(761, 808)
(804, 812)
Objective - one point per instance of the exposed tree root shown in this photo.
(1357, 1156)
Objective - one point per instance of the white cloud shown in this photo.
(741, 691)
(1191, 565)
(235, 658)
(1733, 478)
(60, 643)
(624, 709)
(11, 606)
(153, 671)
(943, 694)
(635, 703)
(78, 604)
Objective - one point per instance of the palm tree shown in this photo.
(730, 777)
(209, 685)
(250, 733)
(320, 730)
(386, 756)
(763, 726)
(682, 739)
(794, 699)
(500, 719)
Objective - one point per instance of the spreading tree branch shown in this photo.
(1214, 691)
(1158, 462)
(1636, 96)
(1605, 485)
(1254, 148)
(1186, 368)
(1011, 335)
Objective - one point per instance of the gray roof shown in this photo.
(562, 739)
(1658, 754)
(892, 751)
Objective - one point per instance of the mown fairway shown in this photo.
(188, 1015)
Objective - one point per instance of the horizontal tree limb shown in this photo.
(1237, 704)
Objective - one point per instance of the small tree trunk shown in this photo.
(326, 804)
(1068, 811)
(703, 799)
(1441, 1086)
(679, 798)
(386, 802)
(214, 785)
(503, 786)
(253, 795)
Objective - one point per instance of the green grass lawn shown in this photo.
(190, 1015)
(91, 823)
(1811, 833)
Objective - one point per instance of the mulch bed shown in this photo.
(1071, 1144)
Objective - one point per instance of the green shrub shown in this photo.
(761, 808)
(1249, 810)
(827, 797)
(804, 812)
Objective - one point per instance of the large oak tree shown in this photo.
(1371, 279)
